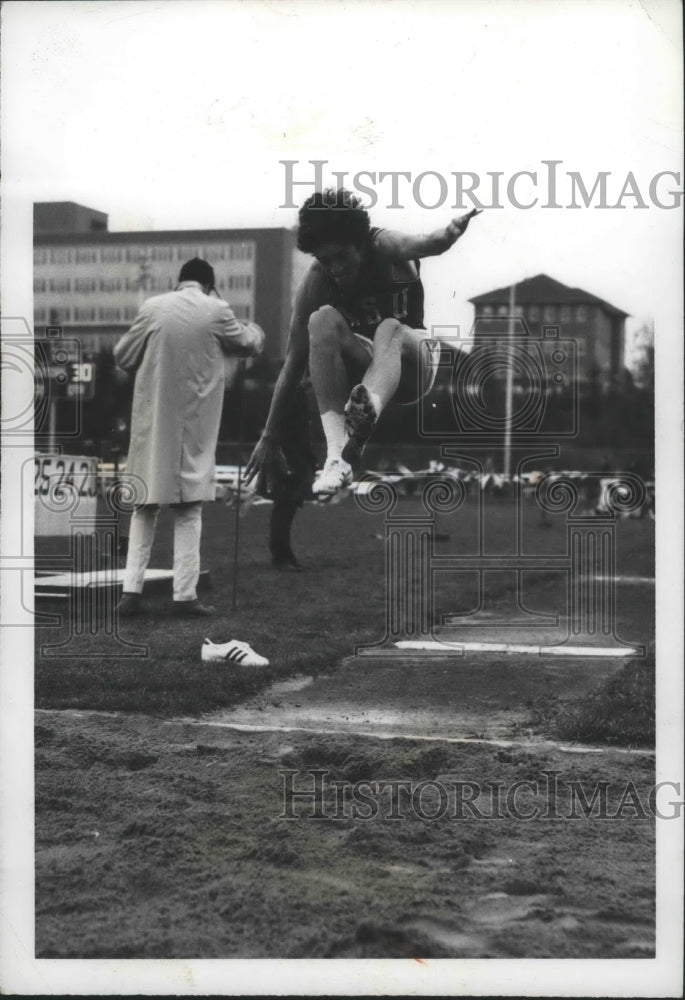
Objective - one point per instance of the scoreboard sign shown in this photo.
(64, 486)
(61, 371)
(81, 380)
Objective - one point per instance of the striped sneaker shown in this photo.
(234, 652)
(336, 475)
(360, 420)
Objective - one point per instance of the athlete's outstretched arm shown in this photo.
(402, 246)
(267, 459)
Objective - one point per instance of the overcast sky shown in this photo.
(176, 115)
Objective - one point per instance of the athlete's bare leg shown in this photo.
(402, 369)
(397, 359)
(336, 361)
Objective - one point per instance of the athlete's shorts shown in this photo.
(429, 360)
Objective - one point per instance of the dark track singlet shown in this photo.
(384, 289)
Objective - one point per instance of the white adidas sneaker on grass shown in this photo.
(233, 652)
(335, 476)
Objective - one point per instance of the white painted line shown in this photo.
(515, 647)
(373, 734)
(102, 578)
(99, 577)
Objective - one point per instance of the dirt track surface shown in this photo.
(166, 839)
(480, 696)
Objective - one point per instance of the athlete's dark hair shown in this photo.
(332, 216)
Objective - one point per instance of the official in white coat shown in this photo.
(176, 347)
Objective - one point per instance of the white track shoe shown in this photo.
(336, 475)
(233, 652)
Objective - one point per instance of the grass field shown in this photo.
(304, 623)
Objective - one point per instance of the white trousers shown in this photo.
(187, 531)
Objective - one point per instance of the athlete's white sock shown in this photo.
(334, 429)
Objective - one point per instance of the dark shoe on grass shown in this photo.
(130, 605)
(192, 609)
(286, 562)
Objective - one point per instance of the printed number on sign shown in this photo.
(54, 472)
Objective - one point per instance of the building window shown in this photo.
(565, 314)
(60, 284)
(84, 315)
(130, 312)
(111, 254)
(550, 314)
(162, 253)
(488, 311)
(110, 314)
(85, 284)
(161, 284)
(40, 256)
(86, 255)
(39, 284)
(60, 255)
(581, 314)
(110, 284)
(58, 315)
(39, 315)
(240, 251)
(518, 311)
(534, 313)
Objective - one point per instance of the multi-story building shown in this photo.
(91, 282)
(543, 306)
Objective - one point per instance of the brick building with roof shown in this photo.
(543, 306)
